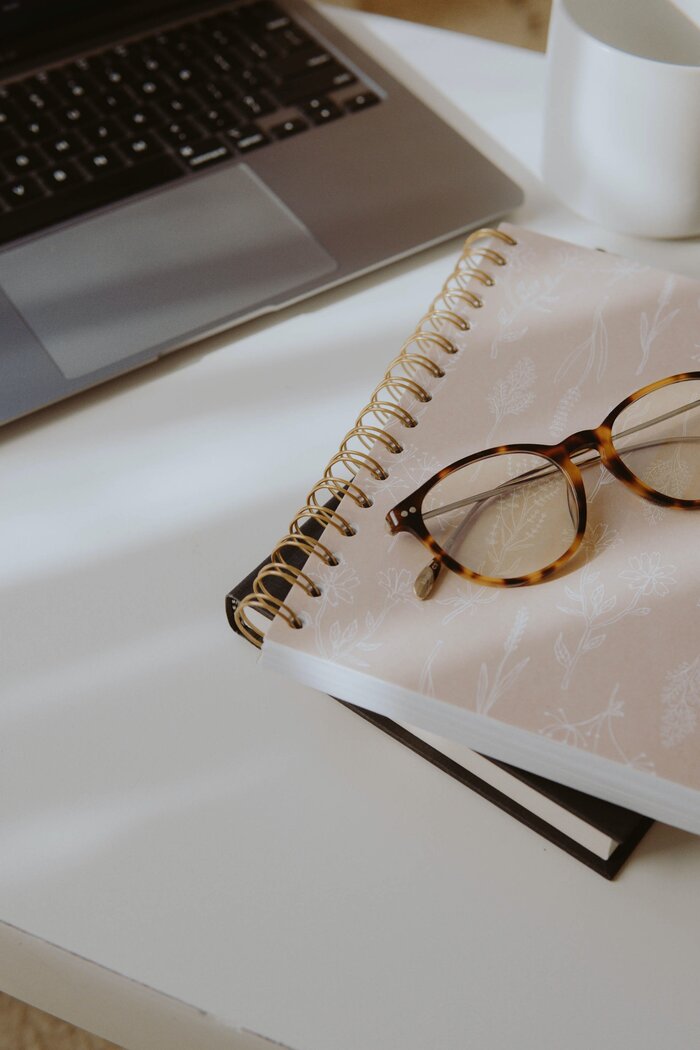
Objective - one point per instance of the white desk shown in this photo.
(192, 851)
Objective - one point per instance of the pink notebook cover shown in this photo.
(593, 677)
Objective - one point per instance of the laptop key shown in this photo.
(102, 162)
(321, 110)
(94, 194)
(23, 161)
(115, 98)
(22, 191)
(64, 176)
(142, 146)
(288, 128)
(216, 119)
(152, 86)
(320, 82)
(11, 116)
(292, 39)
(298, 65)
(64, 145)
(247, 139)
(181, 104)
(180, 131)
(39, 101)
(255, 106)
(101, 133)
(205, 153)
(79, 114)
(39, 128)
(273, 17)
(9, 139)
(136, 119)
(363, 100)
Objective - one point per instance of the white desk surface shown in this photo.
(193, 851)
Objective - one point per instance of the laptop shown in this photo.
(169, 168)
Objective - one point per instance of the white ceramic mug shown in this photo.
(622, 114)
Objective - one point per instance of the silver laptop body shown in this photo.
(368, 175)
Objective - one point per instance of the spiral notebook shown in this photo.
(597, 833)
(592, 678)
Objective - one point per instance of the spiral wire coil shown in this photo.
(340, 476)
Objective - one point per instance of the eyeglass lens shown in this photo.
(658, 439)
(504, 515)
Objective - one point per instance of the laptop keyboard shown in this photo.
(165, 106)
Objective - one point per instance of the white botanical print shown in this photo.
(397, 585)
(651, 328)
(653, 513)
(342, 638)
(589, 357)
(407, 471)
(591, 354)
(523, 297)
(512, 395)
(492, 689)
(668, 474)
(560, 419)
(522, 535)
(598, 538)
(336, 583)
(425, 684)
(589, 733)
(603, 478)
(646, 575)
(468, 599)
(680, 699)
(595, 610)
(617, 267)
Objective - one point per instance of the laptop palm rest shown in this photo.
(214, 247)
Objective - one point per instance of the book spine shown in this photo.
(383, 409)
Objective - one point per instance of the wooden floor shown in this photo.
(519, 22)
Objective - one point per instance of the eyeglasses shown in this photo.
(515, 514)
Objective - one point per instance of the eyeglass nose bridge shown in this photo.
(596, 440)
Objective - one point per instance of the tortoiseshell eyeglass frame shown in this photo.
(407, 516)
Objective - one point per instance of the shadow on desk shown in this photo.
(670, 846)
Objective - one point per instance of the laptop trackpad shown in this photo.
(160, 269)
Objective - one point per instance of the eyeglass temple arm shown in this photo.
(539, 472)
(428, 576)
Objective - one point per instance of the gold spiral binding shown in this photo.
(290, 573)
(479, 235)
(269, 607)
(432, 339)
(393, 383)
(307, 544)
(488, 253)
(323, 514)
(338, 487)
(411, 361)
(433, 315)
(352, 458)
(414, 355)
(380, 409)
(369, 436)
(450, 297)
(478, 275)
(456, 282)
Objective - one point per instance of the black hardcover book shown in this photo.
(597, 833)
